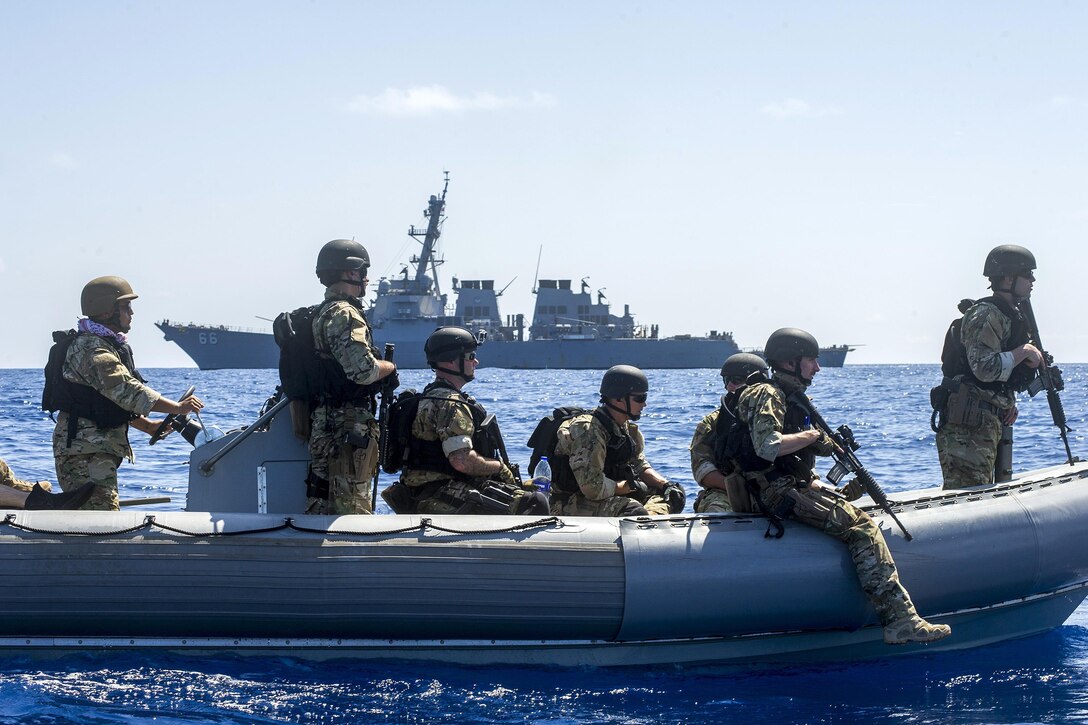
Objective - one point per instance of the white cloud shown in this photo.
(1063, 101)
(61, 160)
(424, 100)
(796, 108)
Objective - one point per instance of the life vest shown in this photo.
(83, 401)
(306, 374)
(954, 363)
(618, 450)
(405, 450)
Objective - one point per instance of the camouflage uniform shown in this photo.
(344, 438)
(763, 408)
(967, 448)
(584, 439)
(710, 500)
(443, 416)
(95, 453)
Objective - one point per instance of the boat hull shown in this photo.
(569, 591)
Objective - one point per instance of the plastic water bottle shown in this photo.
(542, 475)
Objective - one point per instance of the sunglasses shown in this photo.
(470, 356)
(638, 397)
(736, 379)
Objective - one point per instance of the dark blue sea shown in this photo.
(1041, 679)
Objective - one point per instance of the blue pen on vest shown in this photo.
(808, 422)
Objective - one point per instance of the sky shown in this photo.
(836, 166)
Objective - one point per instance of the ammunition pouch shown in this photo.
(954, 403)
(740, 500)
(357, 440)
(754, 482)
(300, 419)
(316, 486)
(400, 498)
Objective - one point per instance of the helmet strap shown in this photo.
(625, 410)
(459, 373)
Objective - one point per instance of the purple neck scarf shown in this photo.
(89, 325)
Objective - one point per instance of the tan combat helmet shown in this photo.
(101, 295)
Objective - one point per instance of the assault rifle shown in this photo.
(1049, 379)
(845, 460)
(383, 430)
(491, 425)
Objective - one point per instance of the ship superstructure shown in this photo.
(571, 329)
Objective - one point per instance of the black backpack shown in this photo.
(546, 434)
(954, 354)
(402, 413)
(55, 394)
(301, 369)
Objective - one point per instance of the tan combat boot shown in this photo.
(913, 628)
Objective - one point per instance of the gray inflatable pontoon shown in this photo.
(995, 563)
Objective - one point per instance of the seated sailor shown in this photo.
(16, 493)
(450, 458)
(598, 467)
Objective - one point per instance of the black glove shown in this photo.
(639, 490)
(675, 497)
(390, 382)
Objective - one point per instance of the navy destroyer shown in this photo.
(570, 329)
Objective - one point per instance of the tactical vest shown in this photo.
(617, 458)
(424, 455)
(954, 354)
(723, 428)
(309, 374)
(83, 401)
(798, 464)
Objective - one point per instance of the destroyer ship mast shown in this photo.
(426, 259)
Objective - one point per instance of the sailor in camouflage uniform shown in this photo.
(343, 439)
(103, 394)
(16, 493)
(776, 449)
(722, 487)
(599, 468)
(450, 466)
(989, 361)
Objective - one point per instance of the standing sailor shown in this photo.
(722, 487)
(599, 466)
(92, 380)
(988, 357)
(776, 448)
(343, 437)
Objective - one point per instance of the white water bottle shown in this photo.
(542, 475)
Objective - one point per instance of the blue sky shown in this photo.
(842, 167)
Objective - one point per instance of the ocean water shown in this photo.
(1039, 679)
